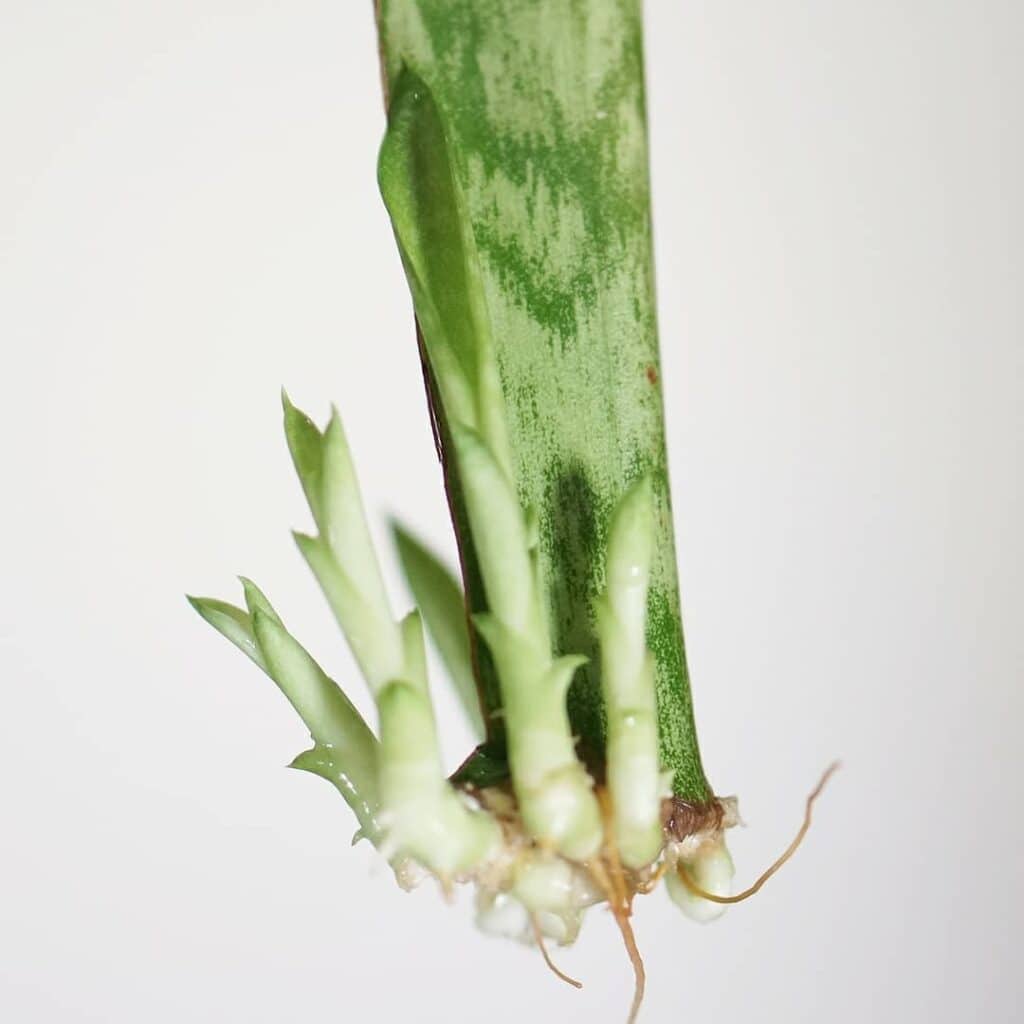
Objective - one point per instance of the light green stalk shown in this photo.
(627, 672)
(425, 816)
(554, 790)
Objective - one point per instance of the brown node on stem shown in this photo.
(694, 888)
(552, 966)
(682, 818)
(611, 879)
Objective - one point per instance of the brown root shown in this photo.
(612, 881)
(639, 974)
(539, 937)
(694, 888)
(648, 885)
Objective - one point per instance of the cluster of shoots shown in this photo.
(540, 828)
(550, 841)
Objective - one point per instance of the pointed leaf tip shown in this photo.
(305, 444)
(232, 623)
(307, 544)
(255, 599)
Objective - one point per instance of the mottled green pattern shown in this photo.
(544, 108)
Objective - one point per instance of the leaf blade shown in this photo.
(439, 598)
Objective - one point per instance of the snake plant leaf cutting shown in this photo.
(514, 169)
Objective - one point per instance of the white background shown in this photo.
(188, 220)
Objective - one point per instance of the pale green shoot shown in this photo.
(709, 864)
(345, 751)
(426, 819)
(627, 677)
(555, 792)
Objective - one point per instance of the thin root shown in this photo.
(694, 888)
(613, 883)
(539, 936)
(651, 883)
(638, 966)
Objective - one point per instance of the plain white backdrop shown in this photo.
(188, 221)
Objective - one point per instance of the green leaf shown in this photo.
(440, 600)
(516, 174)
(486, 766)
(424, 199)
